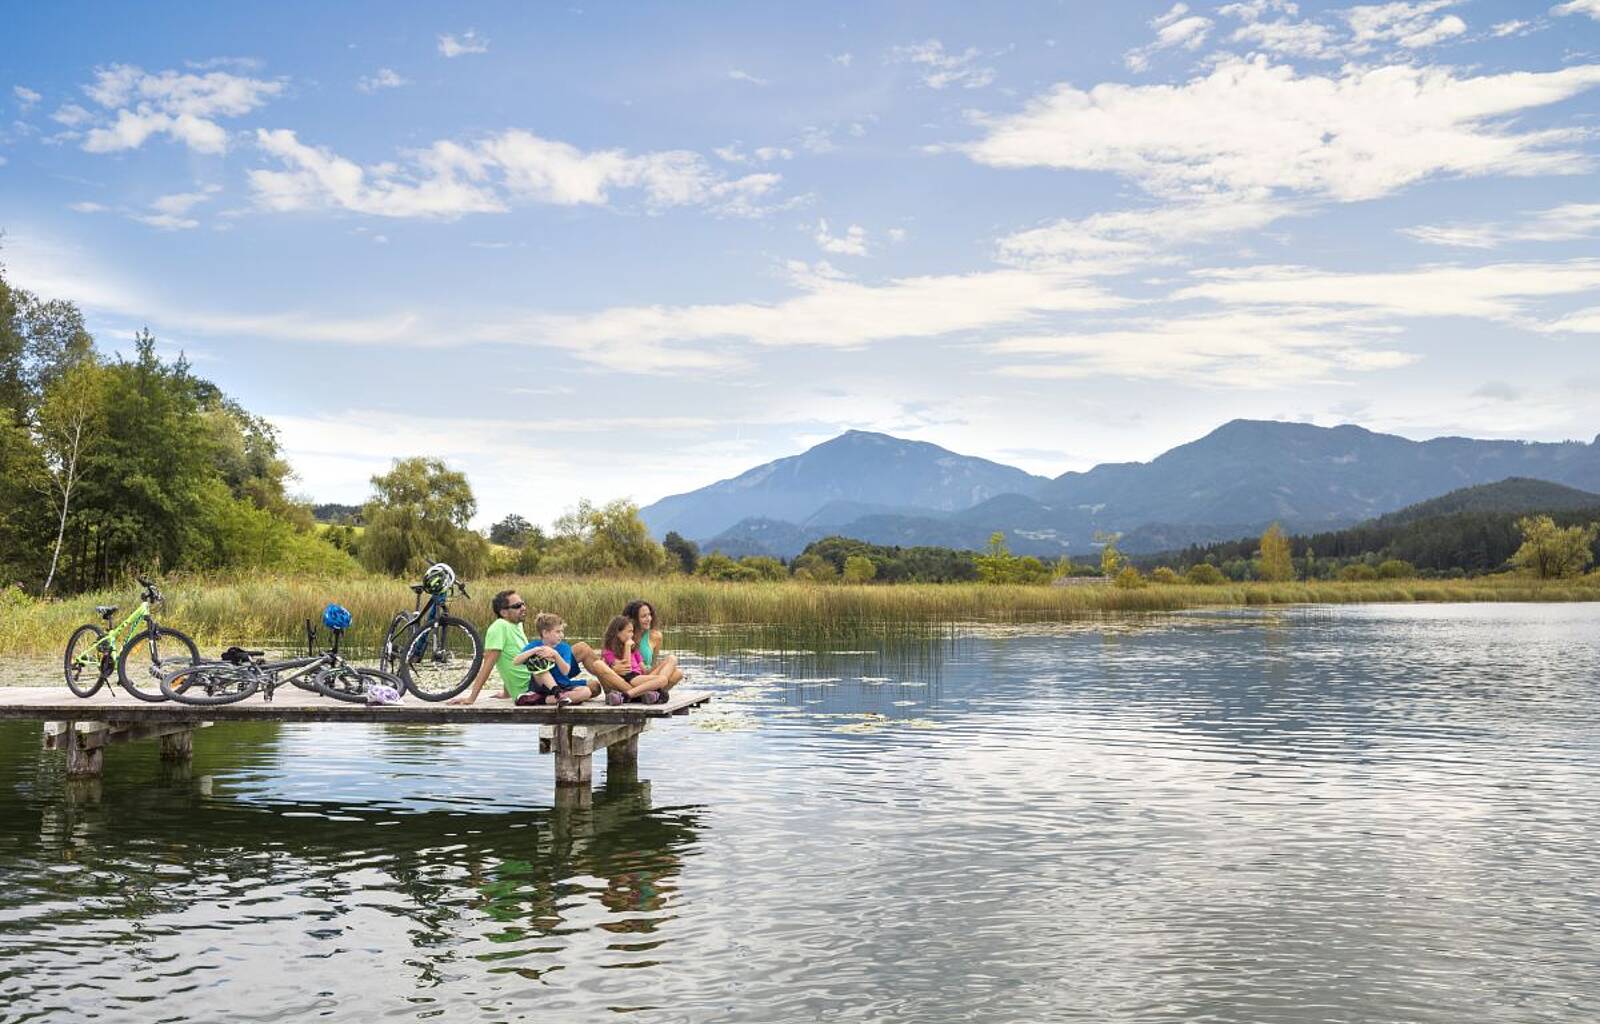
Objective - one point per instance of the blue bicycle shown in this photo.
(435, 653)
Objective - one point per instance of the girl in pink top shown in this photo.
(619, 652)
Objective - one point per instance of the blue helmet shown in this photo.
(336, 617)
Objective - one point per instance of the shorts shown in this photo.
(629, 677)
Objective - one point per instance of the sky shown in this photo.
(606, 251)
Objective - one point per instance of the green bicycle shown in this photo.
(136, 649)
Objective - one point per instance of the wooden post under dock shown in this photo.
(84, 728)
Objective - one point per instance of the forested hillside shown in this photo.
(110, 465)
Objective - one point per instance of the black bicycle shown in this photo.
(240, 673)
(435, 653)
(137, 649)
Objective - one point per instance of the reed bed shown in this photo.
(272, 609)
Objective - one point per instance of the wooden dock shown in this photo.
(83, 728)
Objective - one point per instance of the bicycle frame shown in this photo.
(117, 637)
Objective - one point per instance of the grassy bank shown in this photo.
(265, 608)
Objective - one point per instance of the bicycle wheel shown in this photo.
(441, 658)
(210, 683)
(88, 661)
(349, 683)
(140, 664)
(393, 640)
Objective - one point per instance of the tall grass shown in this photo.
(265, 608)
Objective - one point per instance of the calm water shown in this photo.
(1352, 814)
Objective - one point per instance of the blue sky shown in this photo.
(608, 251)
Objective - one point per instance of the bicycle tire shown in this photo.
(389, 656)
(349, 683)
(210, 683)
(75, 672)
(435, 671)
(148, 664)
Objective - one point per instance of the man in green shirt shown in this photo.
(502, 642)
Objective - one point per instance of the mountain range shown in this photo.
(1231, 482)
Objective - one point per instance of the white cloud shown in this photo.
(745, 76)
(852, 243)
(842, 59)
(26, 97)
(87, 207)
(1589, 7)
(1123, 237)
(383, 78)
(449, 179)
(1499, 292)
(1289, 38)
(1584, 321)
(166, 221)
(1410, 25)
(1251, 125)
(1175, 29)
(1508, 28)
(941, 69)
(72, 115)
(468, 42)
(1566, 223)
(1234, 349)
(183, 106)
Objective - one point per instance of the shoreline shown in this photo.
(218, 612)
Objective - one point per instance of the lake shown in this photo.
(1354, 813)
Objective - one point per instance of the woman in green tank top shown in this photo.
(650, 644)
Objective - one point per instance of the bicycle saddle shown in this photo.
(417, 588)
(106, 610)
(240, 656)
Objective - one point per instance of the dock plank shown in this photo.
(291, 704)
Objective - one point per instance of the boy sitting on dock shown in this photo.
(553, 673)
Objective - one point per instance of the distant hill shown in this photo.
(1472, 529)
(1518, 494)
(855, 467)
(1230, 483)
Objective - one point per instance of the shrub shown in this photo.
(859, 569)
(1129, 579)
(1396, 569)
(1204, 574)
(765, 567)
(1163, 574)
(815, 568)
(1357, 573)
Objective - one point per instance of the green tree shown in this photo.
(997, 564)
(813, 567)
(765, 567)
(682, 554)
(1552, 552)
(1204, 574)
(513, 531)
(1396, 569)
(70, 419)
(1163, 574)
(417, 515)
(604, 538)
(859, 569)
(718, 566)
(1276, 563)
(1111, 559)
